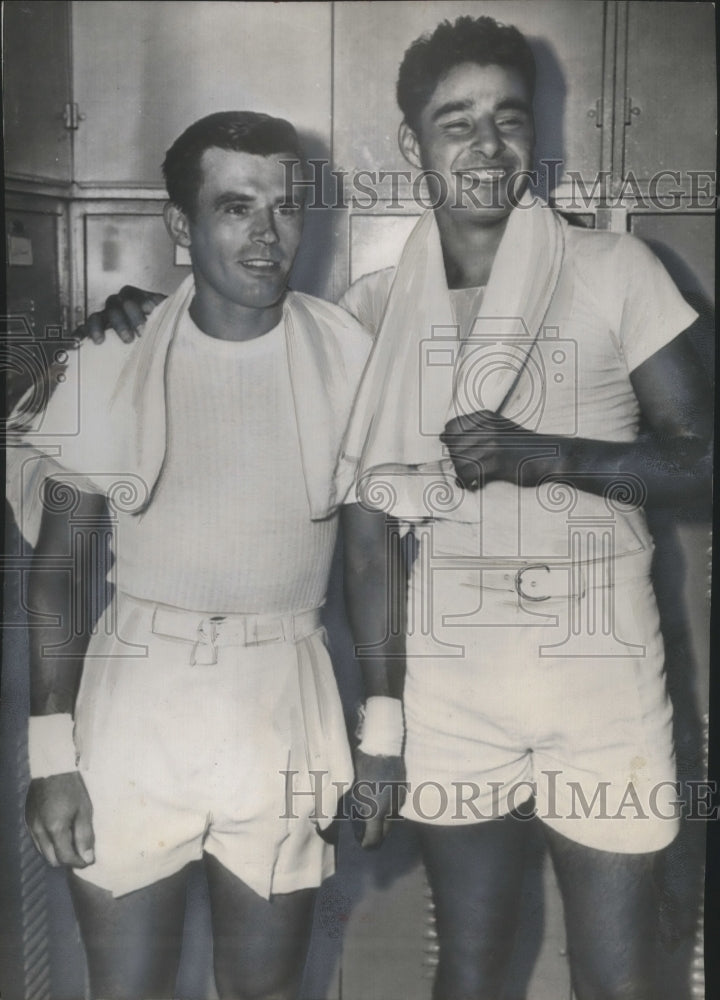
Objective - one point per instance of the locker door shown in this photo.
(670, 95)
(143, 72)
(36, 90)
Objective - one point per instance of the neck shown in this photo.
(469, 249)
(225, 320)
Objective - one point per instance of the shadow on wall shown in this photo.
(549, 106)
(312, 268)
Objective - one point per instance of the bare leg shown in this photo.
(476, 875)
(611, 919)
(260, 945)
(133, 942)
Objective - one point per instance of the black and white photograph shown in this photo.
(358, 437)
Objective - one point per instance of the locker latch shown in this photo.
(596, 113)
(631, 111)
(72, 116)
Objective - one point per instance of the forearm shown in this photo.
(380, 651)
(54, 680)
(382, 665)
(58, 809)
(376, 599)
(670, 462)
(56, 654)
(58, 597)
(669, 468)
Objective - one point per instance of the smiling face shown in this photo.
(243, 232)
(477, 133)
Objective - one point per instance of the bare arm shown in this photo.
(58, 809)
(672, 456)
(375, 597)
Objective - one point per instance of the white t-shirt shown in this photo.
(217, 457)
(229, 527)
(614, 307)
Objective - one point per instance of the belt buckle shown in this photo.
(211, 632)
(518, 582)
(207, 639)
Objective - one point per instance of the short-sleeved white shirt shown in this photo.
(613, 308)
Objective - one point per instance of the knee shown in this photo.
(457, 988)
(627, 992)
(617, 973)
(609, 987)
(260, 984)
(123, 975)
(242, 994)
(476, 973)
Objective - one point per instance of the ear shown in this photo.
(176, 223)
(409, 145)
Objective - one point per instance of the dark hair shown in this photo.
(241, 131)
(481, 40)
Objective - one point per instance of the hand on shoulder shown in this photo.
(124, 312)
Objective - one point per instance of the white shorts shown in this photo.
(563, 697)
(182, 755)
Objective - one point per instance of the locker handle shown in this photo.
(72, 116)
(596, 113)
(631, 111)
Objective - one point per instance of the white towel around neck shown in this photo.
(398, 412)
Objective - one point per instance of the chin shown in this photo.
(470, 214)
(262, 297)
(267, 298)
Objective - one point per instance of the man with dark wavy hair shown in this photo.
(572, 398)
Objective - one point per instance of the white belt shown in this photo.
(542, 581)
(535, 581)
(209, 632)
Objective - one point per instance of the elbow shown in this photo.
(695, 460)
(687, 483)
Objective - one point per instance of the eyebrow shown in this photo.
(449, 107)
(510, 104)
(229, 196)
(513, 104)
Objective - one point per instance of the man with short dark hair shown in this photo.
(207, 686)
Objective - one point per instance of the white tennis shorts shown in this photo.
(545, 681)
(185, 739)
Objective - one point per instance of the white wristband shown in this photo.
(51, 747)
(382, 730)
